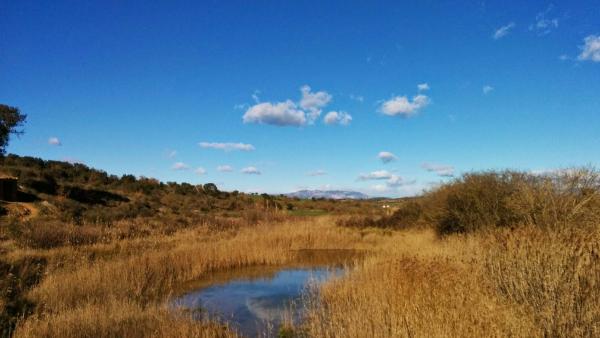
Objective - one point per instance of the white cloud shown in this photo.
(590, 51)
(200, 171)
(255, 96)
(180, 166)
(334, 117)
(439, 169)
(72, 160)
(392, 185)
(317, 173)
(289, 113)
(171, 153)
(544, 25)
(358, 98)
(279, 114)
(555, 171)
(401, 105)
(386, 156)
(313, 102)
(423, 87)
(225, 168)
(503, 31)
(381, 188)
(375, 175)
(54, 141)
(397, 181)
(227, 146)
(487, 89)
(251, 171)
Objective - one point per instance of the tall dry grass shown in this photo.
(75, 295)
(519, 256)
(525, 282)
(422, 286)
(528, 282)
(119, 319)
(554, 274)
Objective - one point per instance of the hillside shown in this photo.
(78, 193)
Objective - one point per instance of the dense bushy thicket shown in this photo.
(477, 201)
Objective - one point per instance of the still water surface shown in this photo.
(255, 301)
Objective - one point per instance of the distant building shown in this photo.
(8, 188)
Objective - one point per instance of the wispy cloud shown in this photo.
(334, 117)
(225, 168)
(72, 160)
(171, 153)
(393, 185)
(288, 112)
(503, 31)
(440, 169)
(397, 181)
(402, 106)
(227, 146)
(590, 51)
(180, 166)
(358, 98)
(423, 87)
(251, 171)
(386, 156)
(255, 96)
(554, 171)
(375, 175)
(317, 173)
(200, 171)
(487, 89)
(543, 24)
(54, 141)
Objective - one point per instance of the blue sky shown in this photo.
(288, 95)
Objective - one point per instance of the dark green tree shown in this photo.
(211, 188)
(10, 119)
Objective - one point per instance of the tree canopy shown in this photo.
(10, 119)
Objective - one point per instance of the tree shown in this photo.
(10, 119)
(211, 188)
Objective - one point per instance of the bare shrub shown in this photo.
(408, 215)
(509, 199)
(49, 234)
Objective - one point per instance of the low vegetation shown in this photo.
(488, 254)
(489, 200)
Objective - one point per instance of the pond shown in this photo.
(255, 301)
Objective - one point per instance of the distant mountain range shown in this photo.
(332, 194)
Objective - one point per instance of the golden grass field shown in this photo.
(412, 284)
(536, 277)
